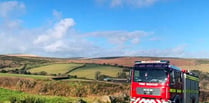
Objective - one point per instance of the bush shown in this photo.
(27, 99)
(3, 71)
(73, 76)
(53, 74)
(42, 73)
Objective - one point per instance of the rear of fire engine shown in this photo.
(160, 82)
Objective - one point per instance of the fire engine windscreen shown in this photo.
(152, 75)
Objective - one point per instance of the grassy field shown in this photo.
(6, 95)
(55, 68)
(90, 69)
(25, 76)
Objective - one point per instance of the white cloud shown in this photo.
(57, 32)
(11, 25)
(55, 47)
(130, 3)
(120, 37)
(178, 51)
(10, 7)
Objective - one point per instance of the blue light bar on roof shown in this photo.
(147, 62)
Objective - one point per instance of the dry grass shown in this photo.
(200, 67)
(54, 88)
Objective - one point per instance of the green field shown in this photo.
(25, 76)
(6, 95)
(55, 68)
(90, 69)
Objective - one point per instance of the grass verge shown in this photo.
(6, 95)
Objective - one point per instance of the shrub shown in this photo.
(27, 99)
(53, 74)
(3, 71)
(42, 73)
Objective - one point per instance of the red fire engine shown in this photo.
(160, 82)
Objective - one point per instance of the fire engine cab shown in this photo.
(161, 82)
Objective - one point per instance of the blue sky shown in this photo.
(95, 28)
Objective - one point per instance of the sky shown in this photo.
(104, 28)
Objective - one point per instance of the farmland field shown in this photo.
(90, 69)
(55, 68)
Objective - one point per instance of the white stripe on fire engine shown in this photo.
(146, 101)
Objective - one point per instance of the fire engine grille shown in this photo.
(148, 91)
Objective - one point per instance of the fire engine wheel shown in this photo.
(193, 100)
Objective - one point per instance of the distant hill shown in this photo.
(184, 63)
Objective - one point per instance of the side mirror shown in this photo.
(130, 74)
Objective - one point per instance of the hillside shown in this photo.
(193, 64)
(84, 70)
(17, 62)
